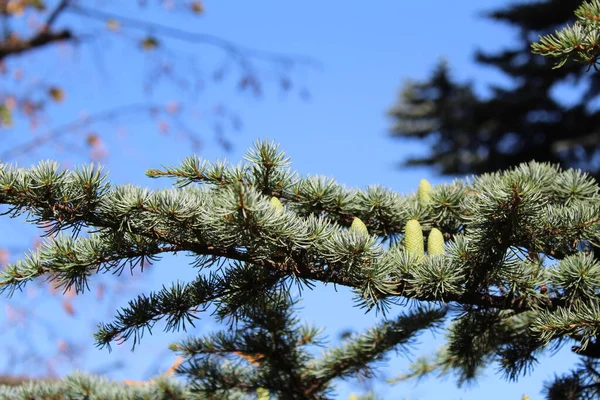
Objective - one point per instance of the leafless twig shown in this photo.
(231, 48)
(61, 6)
(81, 123)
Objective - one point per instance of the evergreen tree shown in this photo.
(515, 273)
(519, 123)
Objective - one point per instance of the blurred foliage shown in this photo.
(524, 120)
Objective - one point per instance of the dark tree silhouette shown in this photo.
(517, 123)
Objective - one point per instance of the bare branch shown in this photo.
(70, 127)
(62, 5)
(231, 48)
(13, 46)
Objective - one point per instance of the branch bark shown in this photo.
(13, 47)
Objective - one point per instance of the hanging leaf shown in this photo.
(100, 291)
(113, 25)
(149, 43)
(5, 116)
(92, 139)
(62, 345)
(15, 7)
(4, 256)
(68, 307)
(163, 127)
(18, 73)
(56, 94)
(173, 107)
(39, 5)
(197, 7)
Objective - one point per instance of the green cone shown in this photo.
(359, 226)
(275, 203)
(262, 393)
(435, 242)
(424, 192)
(413, 241)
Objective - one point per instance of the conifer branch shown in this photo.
(579, 42)
(373, 344)
(516, 260)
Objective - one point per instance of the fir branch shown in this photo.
(69, 262)
(179, 304)
(85, 386)
(178, 211)
(578, 42)
(582, 321)
(265, 352)
(358, 353)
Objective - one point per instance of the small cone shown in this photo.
(435, 242)
(275, 203)
(359, 226)
(424, 192)
(413, 241)
(262, 394)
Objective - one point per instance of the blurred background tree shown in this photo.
(52, 33)
(538, 113)
(45, 46)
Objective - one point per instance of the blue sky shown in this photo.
(365, 51)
